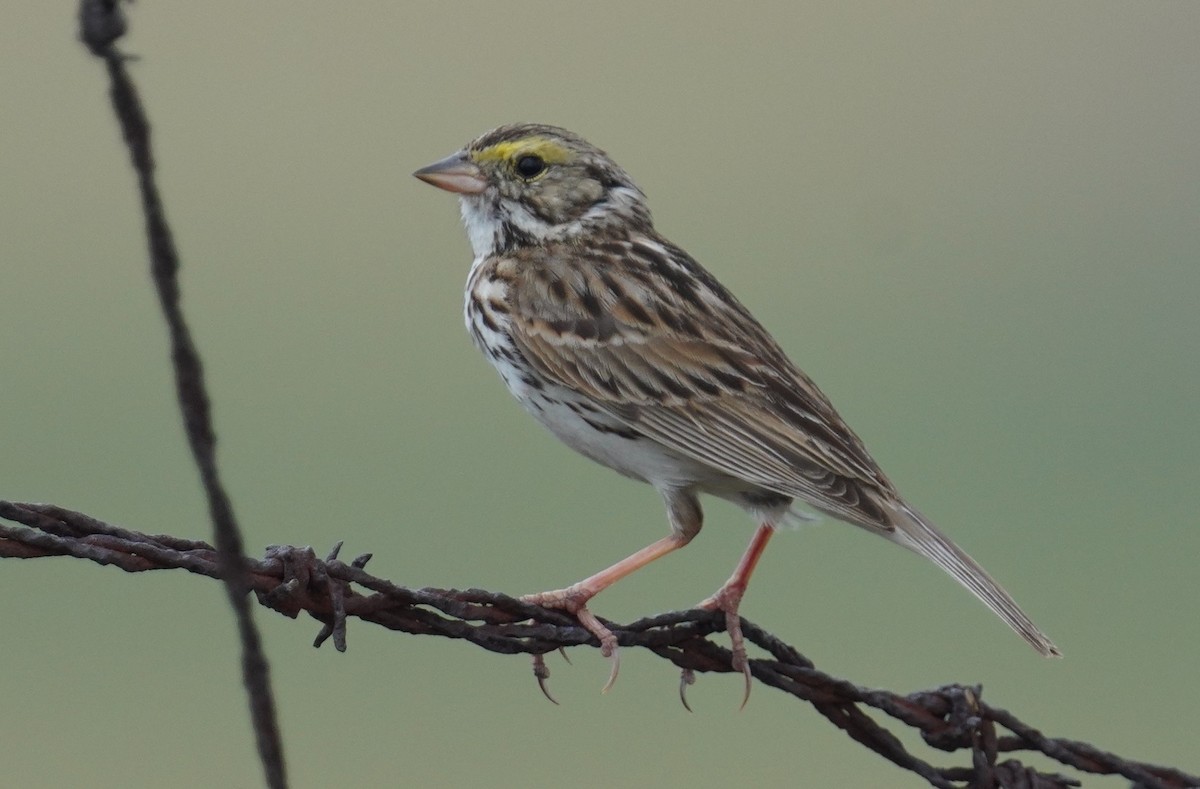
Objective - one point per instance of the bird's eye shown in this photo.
(530, 166)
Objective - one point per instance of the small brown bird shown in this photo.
(634, 355)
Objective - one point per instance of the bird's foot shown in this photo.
(573, 600)
(727, 599)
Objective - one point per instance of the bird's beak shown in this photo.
(455, 173)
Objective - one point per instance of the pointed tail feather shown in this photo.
(920, 536)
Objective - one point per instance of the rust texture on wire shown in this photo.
(291, 580)
(101, 25)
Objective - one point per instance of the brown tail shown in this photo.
(920, 536)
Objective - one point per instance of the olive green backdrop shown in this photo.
(976, 225)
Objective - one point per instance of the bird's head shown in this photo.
(529, 183)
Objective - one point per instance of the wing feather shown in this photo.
(719, 390)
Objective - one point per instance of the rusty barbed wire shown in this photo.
(290, 580)
(101, 25)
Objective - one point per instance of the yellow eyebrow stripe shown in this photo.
(550, 151)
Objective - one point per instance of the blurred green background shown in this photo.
(977, 226)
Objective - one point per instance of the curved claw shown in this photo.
(608, 643)
(746, 674)
(686, 677)
(726, 600)
(562, 651)
(740, 662)
(615, 658)
(542, 673)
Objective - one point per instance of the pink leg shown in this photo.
(573, 599)
(729, 597)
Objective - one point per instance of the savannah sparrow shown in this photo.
(631, 353)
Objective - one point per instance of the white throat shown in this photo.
(485, 218)
(481, 225)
